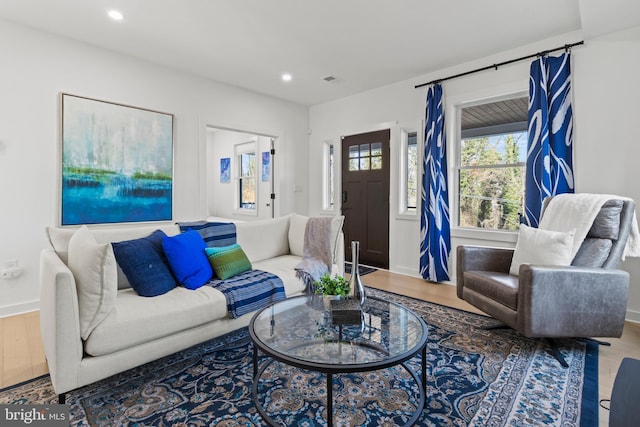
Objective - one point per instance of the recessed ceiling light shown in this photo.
(286, 77)
(116, 15)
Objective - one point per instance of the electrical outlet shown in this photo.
(11, 263)
(11, 273)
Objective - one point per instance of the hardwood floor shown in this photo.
(21, 351)
(22, 355)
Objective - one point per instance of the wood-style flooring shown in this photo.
(22, 354)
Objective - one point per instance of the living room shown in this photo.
(40, 65)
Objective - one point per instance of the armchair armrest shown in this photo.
(480, 258)
(571, 301)
(59, 321)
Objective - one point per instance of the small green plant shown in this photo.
(331, 286)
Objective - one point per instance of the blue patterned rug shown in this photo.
(475, 378)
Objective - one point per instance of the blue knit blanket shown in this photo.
(249, 291)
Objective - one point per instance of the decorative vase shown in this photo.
(356, 288)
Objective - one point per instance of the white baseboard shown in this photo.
(633, 316)
(406, 271)
(24, 307)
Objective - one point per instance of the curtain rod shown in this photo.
(566, 47)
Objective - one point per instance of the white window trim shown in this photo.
(455, 111)
(238, 149)
(326, 176)
(403, 211)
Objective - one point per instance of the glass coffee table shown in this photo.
(300, 332)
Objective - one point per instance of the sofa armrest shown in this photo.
(571, 301)
(59, 321)
(480, 258)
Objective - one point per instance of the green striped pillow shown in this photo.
(228, 261)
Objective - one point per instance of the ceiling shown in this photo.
(514, 110)
(362, 43)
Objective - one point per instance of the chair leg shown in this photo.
(556, 352)
(552, 344)
(593, 340)
(62, 397)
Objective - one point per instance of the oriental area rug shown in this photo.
(475, 377)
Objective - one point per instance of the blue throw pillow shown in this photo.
(144, 264)
(189, 263)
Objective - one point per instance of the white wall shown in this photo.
(606, 119)
(605, 88)
(36, 67)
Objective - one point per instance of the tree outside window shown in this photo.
(412, 171)
(492, 181)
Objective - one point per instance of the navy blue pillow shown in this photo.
(189, 263)
(145, 265)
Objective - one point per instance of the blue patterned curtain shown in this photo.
(549, 168)
(435, 241)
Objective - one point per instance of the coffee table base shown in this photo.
(258, 371)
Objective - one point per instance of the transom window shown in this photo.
(365, 157)
(491, 172)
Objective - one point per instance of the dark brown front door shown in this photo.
(365, 195)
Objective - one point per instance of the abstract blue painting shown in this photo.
(225, 170)
(117, 163)
(266, 166)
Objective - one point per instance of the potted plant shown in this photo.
(331, 288)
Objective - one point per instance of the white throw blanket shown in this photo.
(316, 252)
(566, 212)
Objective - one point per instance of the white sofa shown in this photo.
(137, 329)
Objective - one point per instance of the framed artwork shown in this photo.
(117, 162)
(225, 170)
(266, 166)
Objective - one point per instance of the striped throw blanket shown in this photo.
(214, 234)
(249, 291)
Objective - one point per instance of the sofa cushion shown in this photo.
(136, 320)
(297, 228)
(94, 268)
(228, 261)
(592, 253)
(607, 222)
(120, 233)
(542, 247)
(283, 267)
(145, 265)
(264, 239)
(187, 259)
(59, 240)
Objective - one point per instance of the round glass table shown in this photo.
(300, 332)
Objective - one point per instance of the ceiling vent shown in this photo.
(329, 79)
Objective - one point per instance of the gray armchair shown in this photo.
(584, 300)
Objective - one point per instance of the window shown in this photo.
(412, 171)
(365, 157)
(247, 191)
(492, 160)
(409, 166)
(329, 162)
